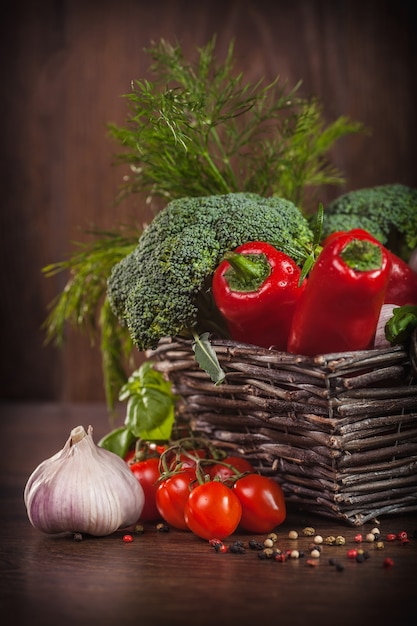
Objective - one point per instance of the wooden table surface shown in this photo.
(174, 578)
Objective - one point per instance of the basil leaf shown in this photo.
(118, 441)
(400, 326)
(150, 404)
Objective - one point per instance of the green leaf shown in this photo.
(206, 357)
(118, 441)
(401, 325)
(151, 403)
(162, 432)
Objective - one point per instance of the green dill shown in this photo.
(83, 302)
(200, 129)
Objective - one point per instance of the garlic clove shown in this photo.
(83, 488)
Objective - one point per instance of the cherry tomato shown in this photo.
(224, 474)
(171, 497)
(212, 511)
(186, 459)
(263, 503)
(147, 473)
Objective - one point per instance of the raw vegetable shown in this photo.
(194, 128)
(212, 510)
(162, 289)
(256, 288)
(147, 474)
(172, 495)
(229, 469)
(402, 285)
(401, 325)
(340, 306)
(83, 488)
(263, 503)
(388, 212)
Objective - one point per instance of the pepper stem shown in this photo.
(362, 255)
(247, 271)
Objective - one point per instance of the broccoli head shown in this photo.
(388, 212)
(162, 288)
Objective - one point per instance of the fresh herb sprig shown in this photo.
(83, 303)
(199, 129)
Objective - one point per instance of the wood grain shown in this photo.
(176, 578)
(65, 66)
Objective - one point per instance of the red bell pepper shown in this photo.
(340, 306)
(402, 285)
(256, 289)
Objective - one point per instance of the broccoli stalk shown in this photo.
(162, 288)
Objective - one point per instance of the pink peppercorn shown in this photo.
(391, 537)
(127, 538)
(352, 553)
(388, 562)
(358, 538)
(402, 536)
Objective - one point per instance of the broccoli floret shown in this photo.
(162, 288)
(388, 212)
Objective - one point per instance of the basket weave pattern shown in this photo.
(338, 432)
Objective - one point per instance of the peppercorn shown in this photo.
(220, 547)
(357, 538)
(293, 534)
(352, 553)
(268, 552)
(127, 538)
(388, 562)
(340, 541)
(78, 537)
(237, 547)
(313, 546)
(255, 545)
(329, 541)
(309, 531)
(162, 528)
(391, 537)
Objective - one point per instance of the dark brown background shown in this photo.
(65, 65)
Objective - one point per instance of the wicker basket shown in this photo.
(338, 432)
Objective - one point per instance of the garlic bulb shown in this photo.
(83, 488)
